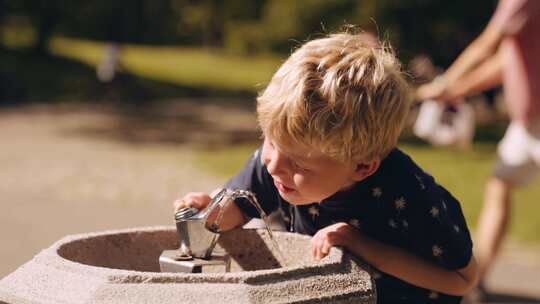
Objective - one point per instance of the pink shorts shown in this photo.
(518, 154)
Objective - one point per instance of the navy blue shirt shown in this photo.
(400, 205)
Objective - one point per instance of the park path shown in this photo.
(515, 277)
(55, 180)
(61, 172)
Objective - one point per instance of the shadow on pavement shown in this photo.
(203, 122)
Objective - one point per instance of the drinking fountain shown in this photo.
(184, 265)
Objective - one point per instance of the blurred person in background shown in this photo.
(110, 63)
(506, 52)
(440, 124)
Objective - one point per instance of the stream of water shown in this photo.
(230, 196)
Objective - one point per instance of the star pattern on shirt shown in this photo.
(314, 212)
(437, 250)
(405, 224)
(420, 182)
(443, 203)
(399, 222)
(434, 211)
(376, 192)
(355, 223)
(400, 203)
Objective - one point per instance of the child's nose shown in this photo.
(277, 164)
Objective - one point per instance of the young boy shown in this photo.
(331, 117)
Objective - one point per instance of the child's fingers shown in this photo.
(184, 203)
(178, 204)
(315, 246)
(193, 199)
(325, 248)
(320, 246)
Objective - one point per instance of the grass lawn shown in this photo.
(462, 172)
(195, 67)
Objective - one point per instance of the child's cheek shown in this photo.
(305, 185)
(299, 181)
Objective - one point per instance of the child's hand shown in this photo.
(198, 200)
(340, 234)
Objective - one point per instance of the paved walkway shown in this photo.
(67, 170)
(515, 277)
(56, 180)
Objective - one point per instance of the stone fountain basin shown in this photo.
(123, 267)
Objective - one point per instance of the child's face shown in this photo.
(302, 175)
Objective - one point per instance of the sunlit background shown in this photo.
(109, 110)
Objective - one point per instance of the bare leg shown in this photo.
(493, 222)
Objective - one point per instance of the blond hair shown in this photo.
(342, 94)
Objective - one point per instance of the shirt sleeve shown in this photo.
(445, 237)
(255, 178)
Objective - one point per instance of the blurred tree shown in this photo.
(3, 9)
(44, 16)
(440, 28)
(116, 21)
(217, 22)
(206, 17)
(278, 25)
(304, 19)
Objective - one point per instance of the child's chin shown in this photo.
(295, 199)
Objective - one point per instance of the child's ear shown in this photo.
(364, 170)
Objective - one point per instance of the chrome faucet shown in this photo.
(198, 237)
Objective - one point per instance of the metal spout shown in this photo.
(197, 239)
